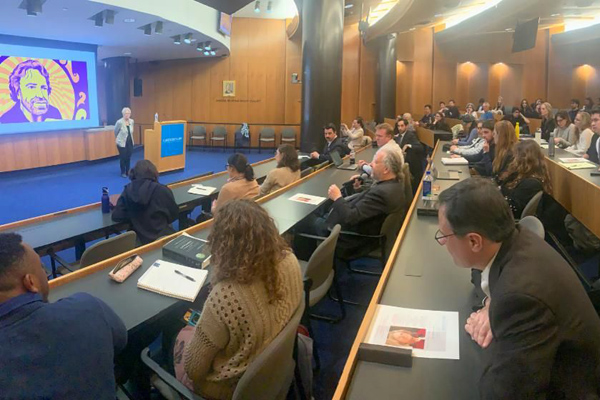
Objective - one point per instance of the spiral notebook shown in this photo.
(173, 280)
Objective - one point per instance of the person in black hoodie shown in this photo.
(149, 206)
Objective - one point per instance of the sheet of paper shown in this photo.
(430, 334)
(572, 159)
(303, 157)
(582, 165)
(455, 161)
(201, 190)
(308, 199)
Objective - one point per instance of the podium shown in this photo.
(165, 145)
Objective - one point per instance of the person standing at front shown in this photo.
(124, 140)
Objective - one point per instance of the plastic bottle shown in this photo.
(517, 131)
(156, 117)
(551, 145)
(352, 157)
(105, 201)
(427, 181)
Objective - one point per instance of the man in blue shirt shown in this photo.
(63, 350)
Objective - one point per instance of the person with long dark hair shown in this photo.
(355, 134)
(287, 171)
(241, 183)
(564, 134)
(439, 123)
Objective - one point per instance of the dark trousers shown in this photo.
(125, 156)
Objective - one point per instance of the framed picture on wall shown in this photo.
(228, 88)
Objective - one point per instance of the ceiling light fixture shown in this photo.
(269, 7)
(349, 5)
(98, 20)
(109, 17)
(207, 46)
(213, 53)
(199, 47)
(129, 20)
(158, 28)
(206, 53)
(188, 38)
(412, 29)
(555, 15)
(257, 7)
(147, 29)
(177, 39)
(33, 7)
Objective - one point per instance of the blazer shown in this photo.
(121, 132)
(409, 137)
(336, 145)
(547, 127)
(546, 332)
(592, 151)
(364, 213)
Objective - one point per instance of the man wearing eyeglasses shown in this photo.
(593, 151)
(538, 328)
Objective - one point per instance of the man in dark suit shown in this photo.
(334, 143)
(538, 328)
(453, 111)
(413, 150)
(594, 149)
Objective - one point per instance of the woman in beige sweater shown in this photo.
(241, 183)
(355, 135)
(256, 288)
(287, 171)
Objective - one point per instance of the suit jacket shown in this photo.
(592, 151)
(336, 145)
(415, 155)
(546, 332)
(364, 213)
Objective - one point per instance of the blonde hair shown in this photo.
(548, 107)
(586, 122)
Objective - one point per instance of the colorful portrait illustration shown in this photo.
(42, 90)
(401, 336)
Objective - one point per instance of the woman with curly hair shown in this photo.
(256, 288)
(525, 176)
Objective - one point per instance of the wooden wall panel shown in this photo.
(422, 68)
(367, 82)
(293, 91)
(404, 88)
(350, 71)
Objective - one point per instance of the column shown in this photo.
(386, 77)
(322, 48)
(117, 87)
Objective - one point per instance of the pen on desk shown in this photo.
(189, 278)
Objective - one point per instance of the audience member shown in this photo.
(485, 112)
(594, 149)
(538, 329)
(334, 143)
(286, 172)
(241, 183)
(61, 350)
(443, 109)
(583, 134)
(470, 110)
(574, 109)
(564, 134)
(480, 104)
(355, 135)
(498, 154)
(473, 134)
(516, 118)
(473, 152)
(499, 109)
(548, 124)
(525, 176)
(384, 136)
(453, 111)
(464, 128)
(439, 123)
(588, 105)
(428, 117)
(414, 153)
(145, 203)
(405, 138)
(528, 111)
(256, 288)
(411, 121)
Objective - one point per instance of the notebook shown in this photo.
(455, 161)
(173, 280)
(201, 190)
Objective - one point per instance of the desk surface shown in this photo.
(423, 276)
(137, 306)
(63, 226)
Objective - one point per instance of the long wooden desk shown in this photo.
(419, 274)
(56, 229)
(136, 306)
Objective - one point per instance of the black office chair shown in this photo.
(266, 135)
(219, 134)
(198, 133)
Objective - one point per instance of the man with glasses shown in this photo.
(594, 149)
(538, 328)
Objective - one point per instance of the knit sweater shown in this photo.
(237, 189)
(237, 323)
(278, 178)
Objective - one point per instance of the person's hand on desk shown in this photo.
(478, 326)
(334, 192)
(556, 140)
(586, 156)
(314, 154)
(452, 148)
(455, 156)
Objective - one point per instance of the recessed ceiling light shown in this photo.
(257, 7)
(349, 5)
(127, 54)
(509, 29)
(199, 47)
(438, 15)
(206, 53)
(555, 15)
(213, 53)
(129, 20)
(188, 38)
(412, 29)
(177, 39)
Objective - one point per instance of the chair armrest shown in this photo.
(306, 235)
(355, 234)
(59, 260)
(168, 378)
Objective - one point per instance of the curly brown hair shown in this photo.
(245, 246)
(528, 162)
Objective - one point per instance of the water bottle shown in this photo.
(517, 131)
(538, 136)
(156, 117)
(105, 201)
(551, 145)
(427, 181)
(352, 157)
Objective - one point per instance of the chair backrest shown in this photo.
(288, 133)
(305, 172)
(406, 179)
(219, 131)
(321, 261)
(534, 225)
(267, 133)
(322, 165)
(108, 248)
(271, 371)
(198, 130)
(366, 141)
(532, 205)
(390, 228)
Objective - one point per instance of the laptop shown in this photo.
(339, 163)
(444, 175)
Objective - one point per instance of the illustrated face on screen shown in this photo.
(34, 92)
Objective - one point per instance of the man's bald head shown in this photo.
(21, 270)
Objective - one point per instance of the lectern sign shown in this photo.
(172, 140)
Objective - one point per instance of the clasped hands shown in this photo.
(478, 326)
